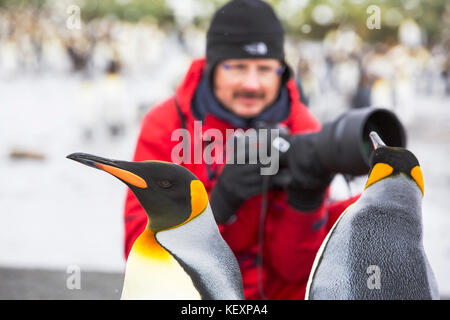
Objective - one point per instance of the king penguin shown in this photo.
(180, 254)
(375, 249)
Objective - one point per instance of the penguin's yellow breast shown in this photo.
(153, 273)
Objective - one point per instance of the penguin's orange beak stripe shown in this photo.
(124, 175)
(417, 175)
(379, 171)
(199, 198)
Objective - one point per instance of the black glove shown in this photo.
(310, 178)
(237, 183)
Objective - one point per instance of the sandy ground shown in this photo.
(56, 213)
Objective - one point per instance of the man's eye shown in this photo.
(239, 67)
(164, 184)
(264, 69)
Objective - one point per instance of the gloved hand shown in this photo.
(310, 178)
(236, 183)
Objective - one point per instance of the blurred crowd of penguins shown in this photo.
(124, 68)
(385, 75)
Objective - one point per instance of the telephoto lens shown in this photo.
(344, 145)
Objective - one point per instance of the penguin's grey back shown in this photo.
(204, 255)
(375, 250)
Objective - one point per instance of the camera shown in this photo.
(343, 145)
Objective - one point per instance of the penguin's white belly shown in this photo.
(160, 280)
(153, 278)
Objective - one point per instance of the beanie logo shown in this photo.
(258, 48)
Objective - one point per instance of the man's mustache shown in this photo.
(248, 94)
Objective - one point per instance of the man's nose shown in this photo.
(251, 80)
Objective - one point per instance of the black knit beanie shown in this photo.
(244, 29)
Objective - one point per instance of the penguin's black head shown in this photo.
(170, 194)
(389, 161)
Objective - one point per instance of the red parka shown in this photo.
(291, 237)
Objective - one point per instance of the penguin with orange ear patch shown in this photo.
(180, 254)
(375, 249)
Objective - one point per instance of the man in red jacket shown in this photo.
(243, 82)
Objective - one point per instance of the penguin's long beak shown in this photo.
(376, 140)
(114, 167)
